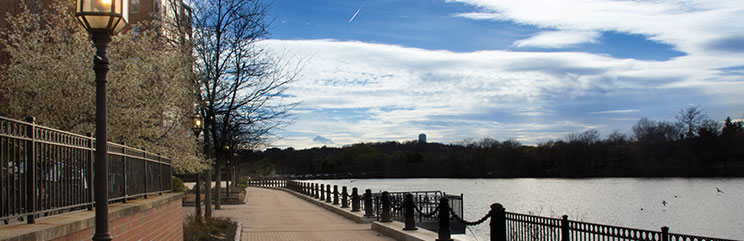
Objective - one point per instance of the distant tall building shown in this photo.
(422, 138)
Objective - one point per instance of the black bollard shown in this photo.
(410, 219)
(564, 229)
(335, 194)
(386, 217)
(354, 200)
(445, 234)
(328, 193)
(317, 191)
(368, 211)
(344, 199)
(498, 222)
(322, 192)
(665, 233)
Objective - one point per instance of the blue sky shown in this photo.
(530, 70)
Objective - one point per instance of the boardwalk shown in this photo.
(276, 215)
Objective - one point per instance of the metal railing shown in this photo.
(44, 170)
(382, 206)
(528, 227)
(522, 227)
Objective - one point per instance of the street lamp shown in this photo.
(102, 18)
(197, 127)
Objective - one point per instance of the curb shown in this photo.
(238, 231)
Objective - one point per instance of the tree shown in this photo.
(241, 87)
(732, 140)
(690, 119)
(50, 77)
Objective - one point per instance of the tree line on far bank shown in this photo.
(693, 145)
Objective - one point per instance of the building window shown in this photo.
(134, 5)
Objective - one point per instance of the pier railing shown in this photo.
(45, 171)
(382, 206)
(446, 210)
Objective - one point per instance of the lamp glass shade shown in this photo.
(103, 15)
(198, 125)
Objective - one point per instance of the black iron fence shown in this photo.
(520, 227)
(43, 171)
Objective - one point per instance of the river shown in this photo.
(693, 205)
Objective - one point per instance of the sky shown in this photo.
(528, 70)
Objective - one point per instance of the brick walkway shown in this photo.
(276, 215)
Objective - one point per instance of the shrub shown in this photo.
(177, 184)
(200, 229)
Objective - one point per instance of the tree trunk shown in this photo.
(218, 185)
(208, 196)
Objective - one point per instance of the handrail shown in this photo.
(62, 171)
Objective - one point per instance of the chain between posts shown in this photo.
(427, 215)
(468, 223)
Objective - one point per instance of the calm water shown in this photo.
(693, 205)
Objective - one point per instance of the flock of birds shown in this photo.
(664, 202)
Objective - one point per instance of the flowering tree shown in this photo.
(49, 76)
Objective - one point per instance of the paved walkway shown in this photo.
(277, 215)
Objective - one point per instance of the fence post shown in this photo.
(322, 192)
(498, 222)
(317, 191)
(335, 194)
(408, 205)
(386, 217)
(665, 233)
(344, 198)
(147, 174)
(124, 171)
(30, 170)
(564, 229)
(328, 193)
(354, 200)
(445, 234)
(91, 157)
(368, 211)
(160, 168)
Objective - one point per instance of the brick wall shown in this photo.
(163, 222)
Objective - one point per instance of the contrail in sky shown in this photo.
(357, 12)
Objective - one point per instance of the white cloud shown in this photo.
(353, 92)
(694, 27)
(558, 39)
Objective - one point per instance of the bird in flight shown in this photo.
(664, 202)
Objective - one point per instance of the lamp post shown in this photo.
(101, 18)
(197, 128)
